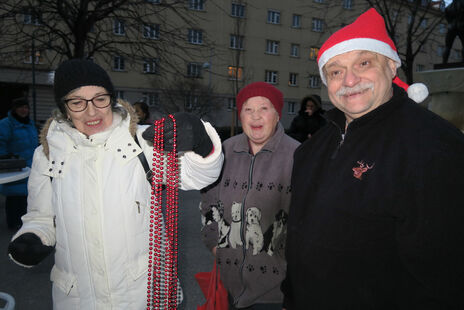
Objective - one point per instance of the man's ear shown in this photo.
(392, 66)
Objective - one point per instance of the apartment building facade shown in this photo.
(231, 43)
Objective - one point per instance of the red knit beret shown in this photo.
(261, 89)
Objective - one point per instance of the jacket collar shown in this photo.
(271, 145)
(52, 124)
(399, 97)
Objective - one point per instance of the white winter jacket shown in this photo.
(90, 199)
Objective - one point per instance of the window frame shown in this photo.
(314, 81)
(317, 24)
(197, 5)
(271, 76)
(293, 79)
(294, 47)
(153, 31)
(195, 36)
(237, 10)
(194, 70)
(296, 21)
(272, 47)
(273, 17)
(236, 42)
(119, 27)
(121, 63)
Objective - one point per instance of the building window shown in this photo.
(348, 4)
(31, 17)
(120, 94)
(153, 1)
(293, 79)
(273, 17)
(38, 57)
(409, 19)
(314, 81)
(235, 73)
(191, 101)
(231, 104)
(319, 1)
(420, 67)
(118, 27)
(295, 50)
(296, 21)
(118, 63)
(272, 47)
(457, 54)
(423, 23)
(150, 65)
(195, 36)
(317, 24)
(194, 69)
(151, 31)
(440, 50)
(238, 10)
(197, 5)
(313, 51)
(271, 77)
(442, 28)
(236, 42)
(291, 107)
(425, 2)
(152, 99)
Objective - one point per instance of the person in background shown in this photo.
(89, 198)
(377, 211)
(18, 136)
(252, 198)
(141, 108)
(308, 120)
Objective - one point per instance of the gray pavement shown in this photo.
(31, 288)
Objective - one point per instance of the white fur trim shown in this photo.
(364, 44)
(418, 92)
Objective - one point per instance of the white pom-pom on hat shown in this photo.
(418, 92)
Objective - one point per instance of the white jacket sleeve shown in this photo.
(197, 172)
(39, 218)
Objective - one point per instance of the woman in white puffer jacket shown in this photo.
(89, 198)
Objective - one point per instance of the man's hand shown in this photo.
(28, 249)
(214, 251)
(191, 134)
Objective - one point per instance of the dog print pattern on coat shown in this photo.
(234, 235)
(229, 234)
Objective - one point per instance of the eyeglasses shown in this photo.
(80, 104)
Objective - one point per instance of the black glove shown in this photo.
(28, 250)
(191, 134)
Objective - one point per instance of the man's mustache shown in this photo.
(355, 89)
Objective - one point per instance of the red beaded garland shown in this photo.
(160, 276)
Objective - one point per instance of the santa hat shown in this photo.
(261, 89)
(367, 33)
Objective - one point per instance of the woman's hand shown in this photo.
(191, 134)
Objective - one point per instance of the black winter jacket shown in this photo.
(377, 218)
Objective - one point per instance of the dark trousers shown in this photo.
(15, 207)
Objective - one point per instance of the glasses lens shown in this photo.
(76, 105)
(101, 101)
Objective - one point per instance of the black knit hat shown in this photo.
(75, 73)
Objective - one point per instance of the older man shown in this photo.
(377, 211)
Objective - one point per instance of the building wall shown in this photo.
(216, 56)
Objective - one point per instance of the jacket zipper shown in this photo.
(242, 231)
(337, 149)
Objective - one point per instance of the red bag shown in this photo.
(213, 289)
